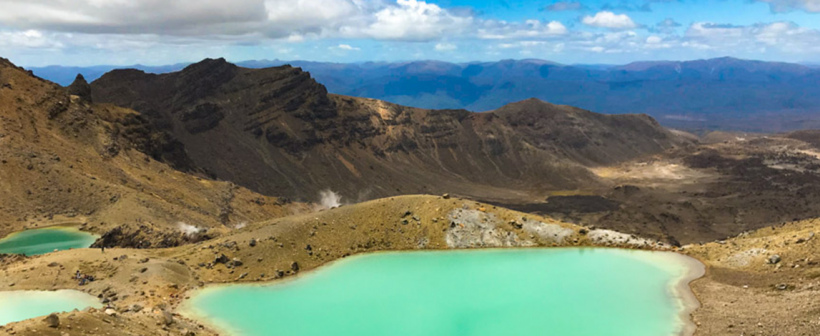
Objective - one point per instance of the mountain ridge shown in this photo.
(722, 93)
(66, 160)
(280, 123)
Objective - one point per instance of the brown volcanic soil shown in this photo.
(744, 294)
(702, 194)
(278, 132)
(159, 279)
(64, 160)
(160, 282)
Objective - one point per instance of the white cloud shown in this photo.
(130, 31)
(347, 47)
(317, 17)
(446, 47)
(400, 20)
(497, 30)
(606, 19)
(249, 21)
(33, 39)
(785, 37)
(176, 17)
(781, 6)
(412, 20)
(522, 44)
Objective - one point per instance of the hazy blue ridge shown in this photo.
(722, 93)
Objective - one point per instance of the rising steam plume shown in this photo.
(328, 199)
(187, 229)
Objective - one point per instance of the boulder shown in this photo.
(136, 308)
(52, 321)
(774, 259)
(167, 318)
(221, 259)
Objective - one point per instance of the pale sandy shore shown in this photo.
(689, 269)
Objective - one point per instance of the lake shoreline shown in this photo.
(19, 298)
(72, 232)
(679, 288)
(682, 289)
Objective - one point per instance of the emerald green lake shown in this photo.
(560, 292)
(22, 305)
(42, 241)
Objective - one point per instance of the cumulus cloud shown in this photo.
(129, 31)
(248, 21)
(179, 17)
(399, 20)
(411, 20)
(782, 6)
(606, 19)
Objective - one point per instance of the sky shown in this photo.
(157, 32)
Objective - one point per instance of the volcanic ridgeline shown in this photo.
(66, 160)
(278, 132)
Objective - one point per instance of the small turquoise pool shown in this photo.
(22, 305)
(42, 241)
(558, 292)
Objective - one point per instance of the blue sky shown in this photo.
(120, 32)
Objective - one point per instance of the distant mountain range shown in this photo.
(721, 93)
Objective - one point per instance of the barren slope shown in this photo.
(739, 295)
(278, 132)
(65, 160)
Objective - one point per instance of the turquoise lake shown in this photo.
(559, 292)
(42, 241)
(22, 305)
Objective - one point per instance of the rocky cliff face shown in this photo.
(278, 132)
(65, 160)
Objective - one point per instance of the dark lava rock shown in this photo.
(221, 259)
(80, 88)
(52, 320)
